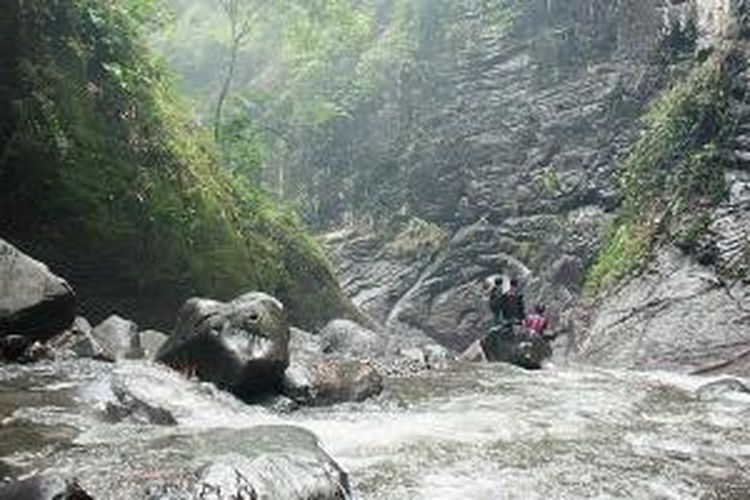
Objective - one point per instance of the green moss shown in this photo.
(672, 168)
(107, 177)
(415, 237)
(624, 251)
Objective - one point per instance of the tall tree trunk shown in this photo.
(225, 88)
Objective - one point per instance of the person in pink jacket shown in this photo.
(537, 322)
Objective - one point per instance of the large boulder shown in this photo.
(316, 376)
(34, 303)
(318, 382)
(241, 346)
(43, 488)
(77, 341)
(678, 315)
(151, 342)
(118, 338)
(345, 337)
(299, 473)
(264, 462)
(509, 344)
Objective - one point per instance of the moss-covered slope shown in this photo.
(105, 176)
(673, 175)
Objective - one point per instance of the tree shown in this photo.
(242, 15)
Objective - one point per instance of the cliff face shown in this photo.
(517, 165)
(687, 307)
(518, 162)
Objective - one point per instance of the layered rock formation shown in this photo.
(520, 175)
(520, 167)
(689, 309)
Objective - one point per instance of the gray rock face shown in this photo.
(520, 166)
(689, 310)
(678, 315)
(118, 339)
(34, 303)
(241, 346)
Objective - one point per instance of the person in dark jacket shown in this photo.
(507, 306)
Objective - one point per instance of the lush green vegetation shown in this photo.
(328, 98)
(107, 176)
(671, 171)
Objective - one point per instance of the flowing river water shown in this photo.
(463, 432)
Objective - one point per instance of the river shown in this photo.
(462, 432)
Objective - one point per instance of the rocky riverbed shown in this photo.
(465, 431)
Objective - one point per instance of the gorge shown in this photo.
(314, 252)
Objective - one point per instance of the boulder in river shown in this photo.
(508, 344)
(118, 338)
(721, 387)
(241, 346)
(317, 378)
(43, 488)
(151, 342)
(320, 382)
(287, 463)
(343, 336)
(34, 303)
(77, 341)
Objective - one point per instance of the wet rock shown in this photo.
(128, 395)
(510, 345)
(304, 344)
(474, 353)
(34, 303)
(13, 348)
(678, 315)
(345, 337)
(723, 386)
(43, 488)
(129, 407)
(330, 381)
(118, 339)
(151, 342)
(77, 341)
(167, 492)
(241, 346)
(288, 467)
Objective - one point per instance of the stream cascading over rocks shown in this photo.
(111, 412)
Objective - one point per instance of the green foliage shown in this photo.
(690, 232)
(106, 164)
(414, 237)
(550, 181)
(625, 249)
(674, 167)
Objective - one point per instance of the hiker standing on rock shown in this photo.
(506, 301)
